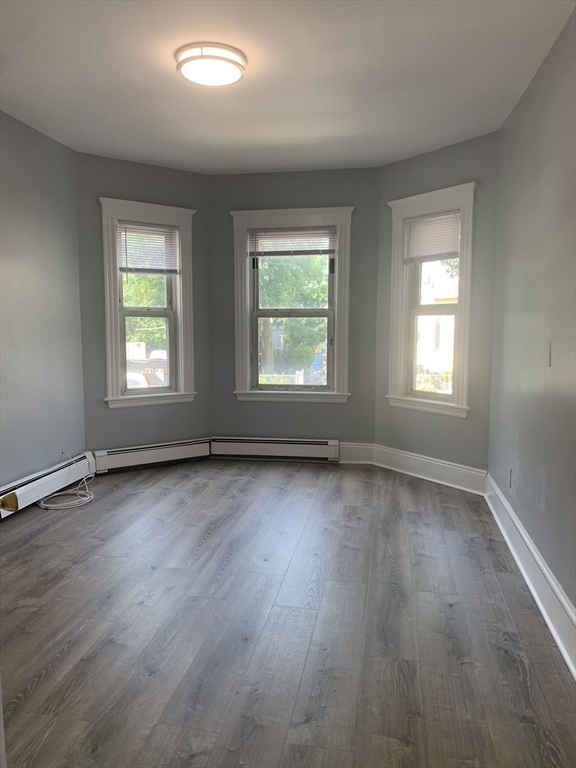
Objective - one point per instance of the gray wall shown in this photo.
(353, 421)
(532, 422)
(104, 177)
(40, 352)
(464, 441)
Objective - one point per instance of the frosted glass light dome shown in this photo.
(210, 64)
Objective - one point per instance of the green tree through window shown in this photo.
(145, 291)
(294, 282)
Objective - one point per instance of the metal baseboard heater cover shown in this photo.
(116, 458)
(31, 489)
(275, 448)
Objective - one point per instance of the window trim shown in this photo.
(400, 392)
(114, 210)
(293, 218)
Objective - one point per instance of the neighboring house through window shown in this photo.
(148, 271)
(431, 266)
(292, 274)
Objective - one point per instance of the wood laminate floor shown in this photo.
(274, 615)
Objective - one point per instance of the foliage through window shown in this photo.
(147, 273)
(292, 307)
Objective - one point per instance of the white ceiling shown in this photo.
(328, 85)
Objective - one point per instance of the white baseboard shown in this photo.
(356, 453)
(436, 470)
(557, 610)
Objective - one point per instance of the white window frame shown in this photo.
(292, 218)
(182, 346)
(401, 394)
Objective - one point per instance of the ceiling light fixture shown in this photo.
(210, 63)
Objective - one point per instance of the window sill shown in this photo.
(135, 401)
(432, 406)
(255, 396)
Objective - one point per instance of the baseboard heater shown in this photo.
(262, 447)
(116, 458)
(30, 489)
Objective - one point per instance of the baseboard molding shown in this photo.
(436, 470)
(557, 610)
(356, 453)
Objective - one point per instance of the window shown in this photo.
(148, 267)
(292, 272)
(431, 260)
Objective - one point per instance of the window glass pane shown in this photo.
(293, 282)
(439, 281)
(434, 353)
(147, 356)
(142, 290)
(292, 351)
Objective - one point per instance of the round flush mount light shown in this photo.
(210, 63)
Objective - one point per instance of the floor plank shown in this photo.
(277, 548)
(304, 582)
(301, 756)
(390, 603)
(484, 604)
(41, 570)
(198, 543)
(429, 563)
(108, 600)
(455, 728)
(45, 742)
(126, 720)
(203, 695)
(44, 663)
(219, 576)
(93, 679)
(517, 712)
(351, 557)
(560, 694)
(171, 747)
(389, 715)
(258, 718)
(16, 612)
(325, 711)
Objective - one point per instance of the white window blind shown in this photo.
(301, 242)
(433, 237)
(146, 248)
